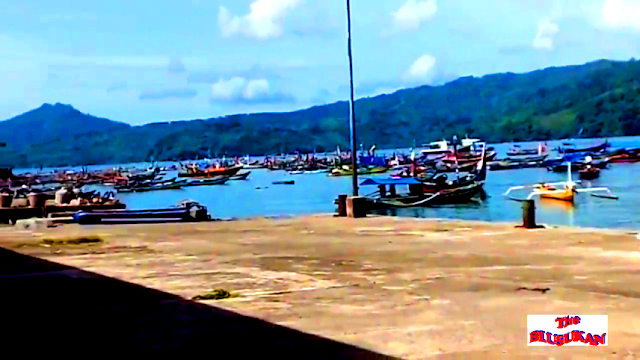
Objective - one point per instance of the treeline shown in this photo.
(601, 98)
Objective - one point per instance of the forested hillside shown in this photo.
(602, 98)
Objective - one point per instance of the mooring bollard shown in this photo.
(356, 207)
(529, 214)
(342, 205)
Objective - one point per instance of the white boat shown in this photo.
(443, 147)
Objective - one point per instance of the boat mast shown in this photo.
(455, 153)
(352, 111)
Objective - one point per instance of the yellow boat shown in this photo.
(361, 171)
(566, 193)
(563, 190)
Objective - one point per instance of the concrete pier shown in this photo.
(402, 287)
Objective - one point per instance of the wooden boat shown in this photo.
(624, 158)
(242, 176)
(300, 172)
(516, 150)
(443, 147)
(576, 167)
(187, 211)
(527, 158)
(361, 171)
(548, 191)
(564, 190)
(210, 172)
(592, 149)
(589, 172)
(204, 182)
(509, 165)
(172, 186)
(436, 190)
(418, 195)
(147, 183)
(451, 159)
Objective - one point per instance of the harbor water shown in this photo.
(315, 193)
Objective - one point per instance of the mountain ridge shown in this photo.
(601, 96)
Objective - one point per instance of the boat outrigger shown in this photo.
(563, 190)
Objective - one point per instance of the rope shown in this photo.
(423, 201)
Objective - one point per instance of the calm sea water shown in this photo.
(315, 193)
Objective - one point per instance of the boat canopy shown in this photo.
(391, 181)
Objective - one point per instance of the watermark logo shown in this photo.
(569, 330)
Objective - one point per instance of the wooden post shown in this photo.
(356, 207)
(383, 190)
(342, 205)
(529, 214)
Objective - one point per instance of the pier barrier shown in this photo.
(342, 205)
(529, 215)
(356, 207)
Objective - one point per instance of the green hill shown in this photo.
(602, 98)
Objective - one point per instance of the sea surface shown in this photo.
(315, 193)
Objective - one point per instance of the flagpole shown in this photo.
(352, 111)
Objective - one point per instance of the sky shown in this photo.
(142, 61)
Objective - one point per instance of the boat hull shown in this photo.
(561, 195)
(152, 188)
(372, 171)
(188, 213)
(589, 174)
(212, 172)
(446, 197)
(205, 182)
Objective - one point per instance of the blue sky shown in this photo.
(141, 61)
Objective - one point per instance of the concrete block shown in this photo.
(356, 207)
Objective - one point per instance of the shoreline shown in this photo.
(405, 287)
(567, 228)
(625, 137)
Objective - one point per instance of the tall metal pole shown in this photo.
(352, 110)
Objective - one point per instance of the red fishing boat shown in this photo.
(210, 172)
(624, 158)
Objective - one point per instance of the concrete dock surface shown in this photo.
(405, 288)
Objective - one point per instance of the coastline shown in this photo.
(410, 288)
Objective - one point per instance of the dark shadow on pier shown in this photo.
(46, 306)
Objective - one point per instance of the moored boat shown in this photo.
(419, 194)
(171, 186)
(624, 158)
(210, 172)
(203, 182)
(592, 149)
(185, 211)
(242, 176)
(361, 171)
(589, 172)
(563, 190)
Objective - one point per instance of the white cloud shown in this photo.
(421, 71)
(238, 89)
(264, 21)
(621, 14)
(228, 89)
(413, 12)
(546, 31)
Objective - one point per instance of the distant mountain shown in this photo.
(601, 97)
(49, 122)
